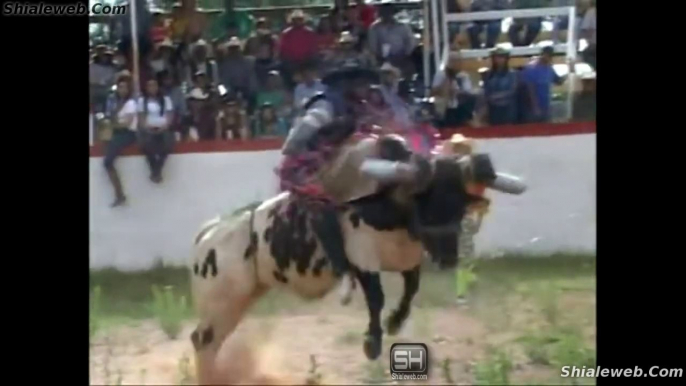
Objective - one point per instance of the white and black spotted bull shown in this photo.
(238, 260)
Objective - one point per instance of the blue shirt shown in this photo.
(541, 77)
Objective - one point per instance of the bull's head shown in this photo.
(443, 190)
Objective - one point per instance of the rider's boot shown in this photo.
(328, 229)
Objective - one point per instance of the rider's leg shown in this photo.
(327, 227)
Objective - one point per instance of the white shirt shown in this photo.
(439, 78)
(129, 109)
(154, 119)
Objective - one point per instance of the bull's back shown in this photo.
(218, 264)
(288, 255)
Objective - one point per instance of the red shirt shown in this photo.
(326, 41)
(158, 33)
(298, 44)
(367, 15)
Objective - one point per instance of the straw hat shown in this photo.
(297, 14)
(197, 94)
(233, 42)
(457, 139)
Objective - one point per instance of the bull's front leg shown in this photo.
(400, 314)
(373, 293)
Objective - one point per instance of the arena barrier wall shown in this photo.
(202, 180)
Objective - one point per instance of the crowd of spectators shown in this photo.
(232, 88)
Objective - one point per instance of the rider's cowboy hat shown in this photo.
(348, 70)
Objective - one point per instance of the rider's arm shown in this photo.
(316, 117)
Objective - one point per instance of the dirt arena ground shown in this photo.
(524, 319)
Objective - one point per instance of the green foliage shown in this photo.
(465, 278)
(94, 311)
(494, 370)
(169, 311)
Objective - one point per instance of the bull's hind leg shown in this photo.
(400, 314)
(373, 293)
(218, 319)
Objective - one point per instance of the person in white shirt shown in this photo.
(309, 87)
(121, 115)
(454, 92)
(155, 114)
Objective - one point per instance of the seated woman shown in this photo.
(267, 123)
(155, 114)
(121, 113)
(232, 121)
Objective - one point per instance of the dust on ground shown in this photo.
(539, 325)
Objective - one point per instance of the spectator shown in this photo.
(101, 77)
(298, 44)
(378, 111)
(264, 63)
(390, 78)
(366, 13)
(326, 37)
(531, 24)
(390, 40)
(121, 113)
(172, 89)
(159, 31)
(453, 91)
(275, 95)
(237, 72)
(500, 90)
(587, 30)
(161, 59)
(261, 37)
(585, 102)
(538, 77)
(202, 120)
(309, 87)
(200, 61)
(492, 26)
(155, 118)
(268, 123)
(232, 121)
(346, 51)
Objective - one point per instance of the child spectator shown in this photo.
(275, 94)
(121, 113)
(268, 124)
(308, 87)
(172, 89)
(202, 122)
(155, 118)
(232, 121)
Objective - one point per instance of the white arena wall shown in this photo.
(556, 214)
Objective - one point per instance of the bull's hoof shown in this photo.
(372, 347)
(394, 323)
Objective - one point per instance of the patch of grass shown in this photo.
(548, 300)
(169, 311)
(571, 351)
(558, 347)
(446, 371)
(184, 373)
(465, 278)
(375, 373)
(314, 377)
(495, 369)
(94, 312)
(349, 338)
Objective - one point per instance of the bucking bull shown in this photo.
(238, 260)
